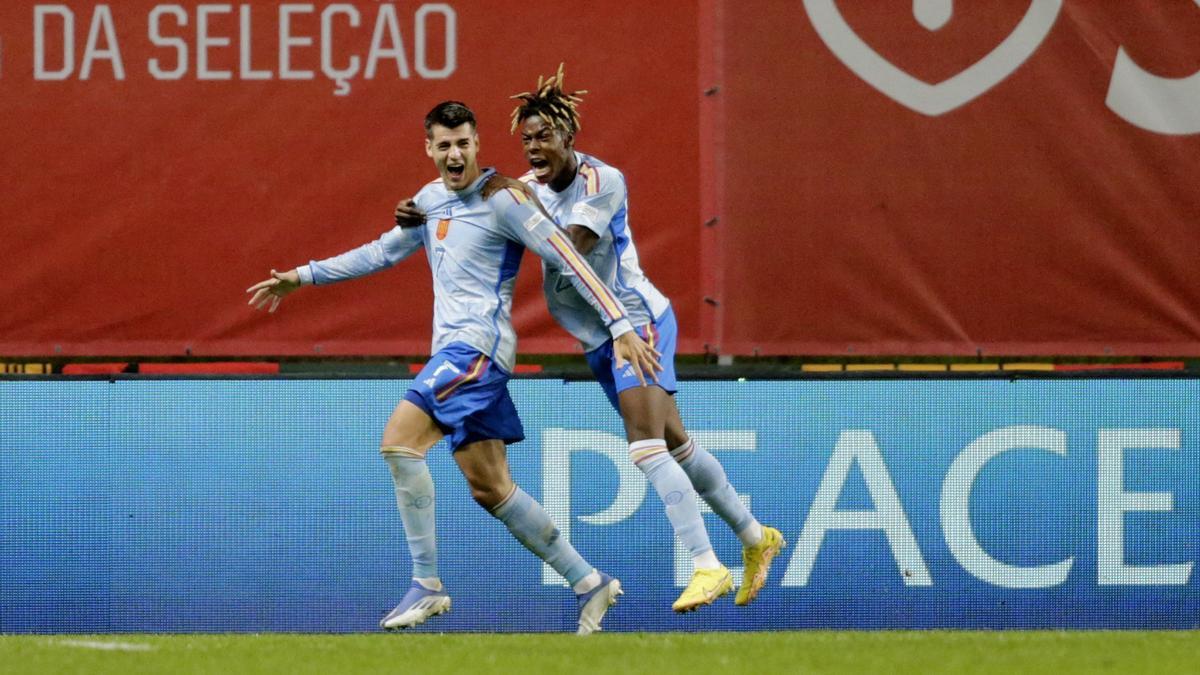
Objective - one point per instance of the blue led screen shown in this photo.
(263, 505)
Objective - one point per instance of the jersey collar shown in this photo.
(477, 184)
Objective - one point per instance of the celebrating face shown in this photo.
(454, 152)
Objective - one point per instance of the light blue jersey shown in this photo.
(597, 200)
(474, 245)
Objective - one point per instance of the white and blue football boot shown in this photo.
(419, 604)
(594, 604)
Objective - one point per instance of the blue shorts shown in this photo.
(661, 335)
(467, 396)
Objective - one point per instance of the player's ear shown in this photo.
(429, 148)
(568, 140)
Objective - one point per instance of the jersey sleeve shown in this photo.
(603, 195)
(390, 248)
(524, 221)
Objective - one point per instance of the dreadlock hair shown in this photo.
(449, 114)
(557, 108)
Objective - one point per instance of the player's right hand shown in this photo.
(274, 289)
(408, 215)
(632, 349)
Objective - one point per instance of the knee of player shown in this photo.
(675, 435)
(490, 494)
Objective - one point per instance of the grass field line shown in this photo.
(105, 645)
(721, 653)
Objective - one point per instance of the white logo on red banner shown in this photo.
(1160, 104)
(923, 97)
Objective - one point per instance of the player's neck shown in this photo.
(567, 176)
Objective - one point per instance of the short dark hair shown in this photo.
(449, 114)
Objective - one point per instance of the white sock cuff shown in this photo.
(504, 502)
(592, 580)
(640, 451)
(401, 451)
(751, 534)
(706, 560)
(684, 451)
(429, 583)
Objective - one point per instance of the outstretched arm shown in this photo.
(392, 247)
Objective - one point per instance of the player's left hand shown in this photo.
(272, 291)
(409, 215)
(632, 349)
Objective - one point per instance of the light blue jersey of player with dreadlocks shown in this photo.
(588, 199)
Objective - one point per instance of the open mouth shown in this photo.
(541, 168)
(456, 171)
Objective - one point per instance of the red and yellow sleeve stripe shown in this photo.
(611, 307)
(591, 179)
(518, 195)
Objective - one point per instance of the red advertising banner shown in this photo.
(935, 177)
(156, 159)
(827, 177)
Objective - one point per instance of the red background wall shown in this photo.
(1031, 220)
(138, 211)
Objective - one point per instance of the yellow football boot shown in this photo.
(705, 586)
(758, 563)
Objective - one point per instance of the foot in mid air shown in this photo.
(706, 585)
(758, 563)
(594, 604)
(419, 604)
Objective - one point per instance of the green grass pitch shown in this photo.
(888, 652)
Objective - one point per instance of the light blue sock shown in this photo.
(673, 487)
(415, 499)
(708, 477)
(531, 526)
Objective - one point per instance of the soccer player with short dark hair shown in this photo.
(478, 227)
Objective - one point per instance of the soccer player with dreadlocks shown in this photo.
(588, 199)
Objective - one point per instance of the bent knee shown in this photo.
(490, 495)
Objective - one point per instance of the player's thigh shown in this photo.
(644, 411)
(676, 434)
(600, 360)
(485, 466)
(411, 427)
(455, 383)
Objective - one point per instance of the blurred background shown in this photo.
(820, 180)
